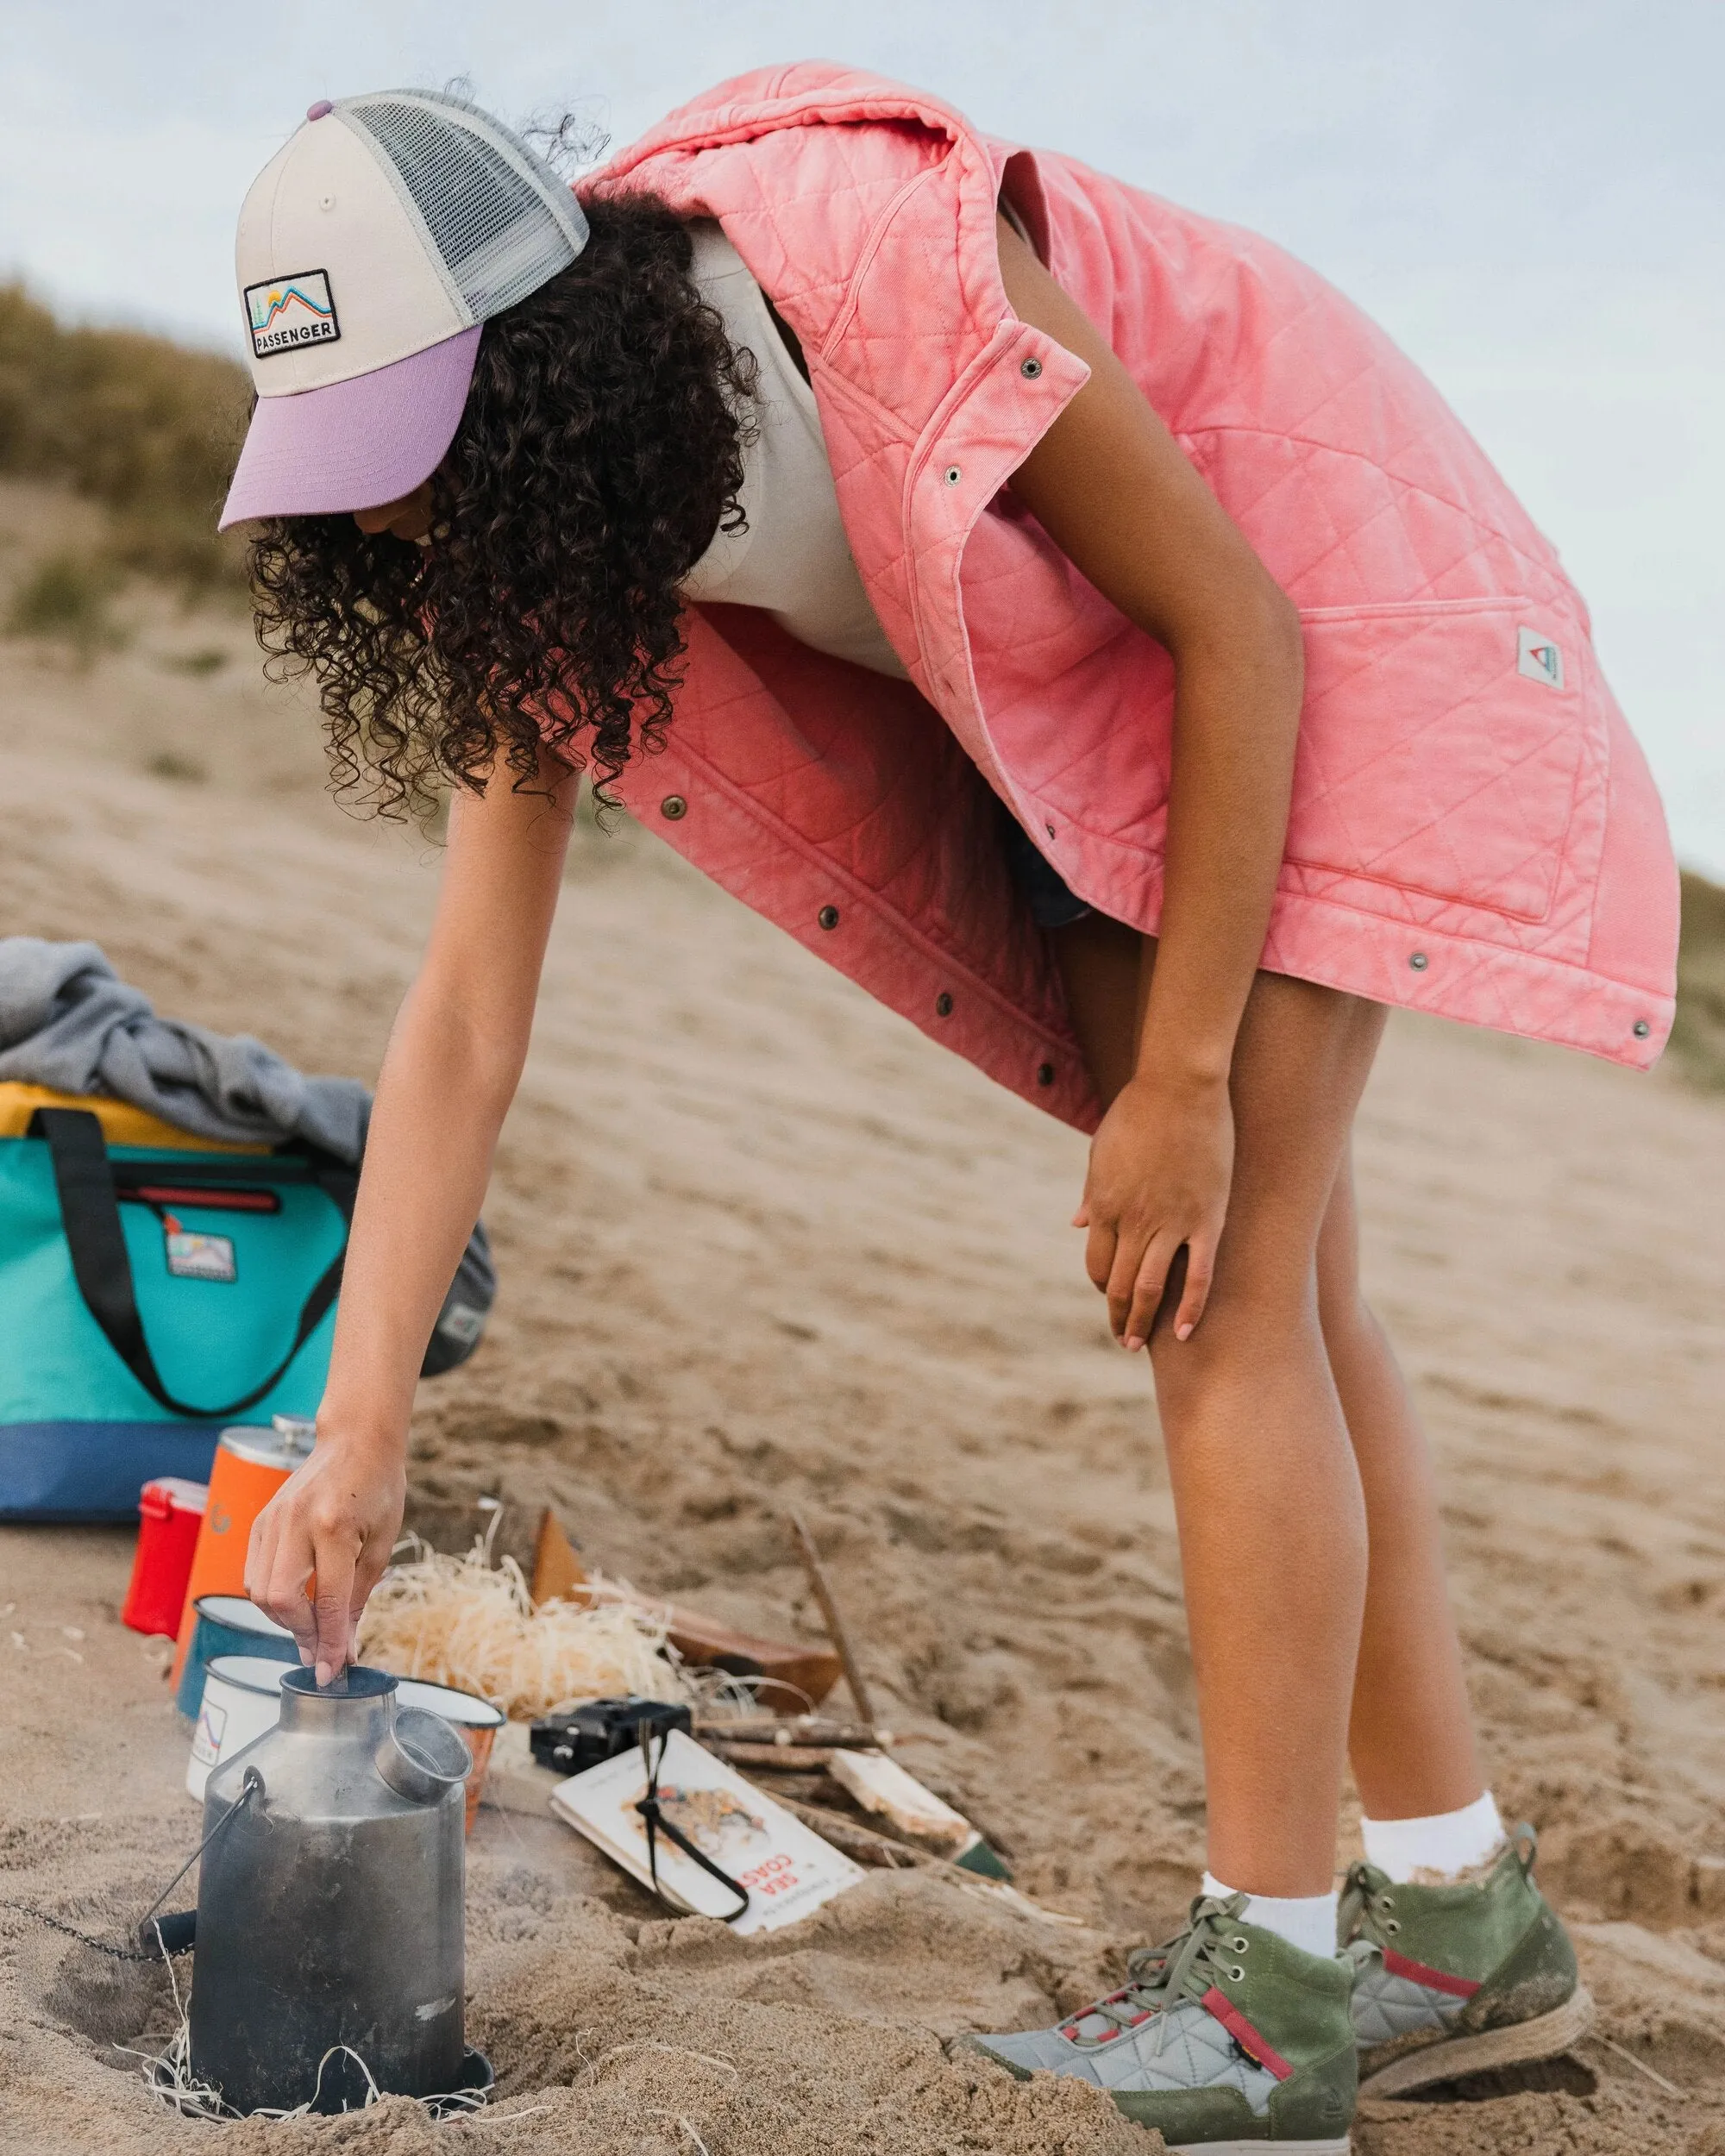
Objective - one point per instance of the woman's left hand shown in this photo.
(1161, 1164)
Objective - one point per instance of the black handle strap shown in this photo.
(89, 1212)
(653, 1817)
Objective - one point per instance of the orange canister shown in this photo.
(251, 1465)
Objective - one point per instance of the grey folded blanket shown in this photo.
(68, 1021)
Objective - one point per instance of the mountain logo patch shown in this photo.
(1538, 657)
(199, 1257)
(287, 312)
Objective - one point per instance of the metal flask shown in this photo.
(329, 1904)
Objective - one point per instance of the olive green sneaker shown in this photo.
(1452, 1980)
(1227, 2040)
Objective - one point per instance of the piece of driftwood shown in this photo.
(829, 1610)
(875, 1783)
(771, 1759)
(789, 1729)
(791, 1676)
(861, 1842)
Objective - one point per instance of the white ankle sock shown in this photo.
(1442, 1846)
(1308, 1922)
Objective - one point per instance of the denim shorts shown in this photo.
(1051, 904)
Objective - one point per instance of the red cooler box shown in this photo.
(171, 1512)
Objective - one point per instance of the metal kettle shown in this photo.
(329, 1905)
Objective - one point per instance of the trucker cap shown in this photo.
(370, 248)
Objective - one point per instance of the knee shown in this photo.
(1253, 1323)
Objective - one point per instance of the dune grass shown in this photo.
(1698, 1036)
(69, 596)
(147, 428)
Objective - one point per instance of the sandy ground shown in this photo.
(763, 1244)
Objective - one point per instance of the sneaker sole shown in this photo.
(1518, 2045)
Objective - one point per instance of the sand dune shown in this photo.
(761, 1244)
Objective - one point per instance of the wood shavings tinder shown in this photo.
(466, 1622)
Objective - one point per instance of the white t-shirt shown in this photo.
(793, 559)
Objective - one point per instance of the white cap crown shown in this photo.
(387, 224)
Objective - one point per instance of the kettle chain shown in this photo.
(253, 1784)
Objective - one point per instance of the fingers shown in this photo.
(260, 1554)
(1133, 1271)
(1135, 1291)
(1100, 1246)
(333, 1607)
(1201, 1272)
(291, 1567)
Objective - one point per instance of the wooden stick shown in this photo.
(829, 1610)
(858, 1841)
(796, 1729)
(771, 1758)
(867, 1847)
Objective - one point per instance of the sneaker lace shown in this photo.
(1366, 1916)
(1184, 1967)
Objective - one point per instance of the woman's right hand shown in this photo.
(332, 1523)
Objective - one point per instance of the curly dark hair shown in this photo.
(599, 451)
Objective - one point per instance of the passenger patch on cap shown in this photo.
(1538, 658)
(289, 311)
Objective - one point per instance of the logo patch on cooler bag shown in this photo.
(1538, 657)
(287, 312)
(198, 1256)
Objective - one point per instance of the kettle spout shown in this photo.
(421, 1757)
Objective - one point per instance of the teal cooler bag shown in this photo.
(148, 1297)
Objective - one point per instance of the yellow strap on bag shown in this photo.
(121, 1124)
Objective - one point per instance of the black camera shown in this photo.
(587, 1736)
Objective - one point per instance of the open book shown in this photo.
(786, 1867)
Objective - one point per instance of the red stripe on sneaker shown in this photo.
(1244, 2034)
(1433, 1980)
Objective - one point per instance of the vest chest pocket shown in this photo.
(1440, 746)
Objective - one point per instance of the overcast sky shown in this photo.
(1526, 193)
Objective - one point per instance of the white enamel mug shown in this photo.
(241, 1700)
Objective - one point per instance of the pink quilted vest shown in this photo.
(1474, 831)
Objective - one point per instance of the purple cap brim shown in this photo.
(354, 444)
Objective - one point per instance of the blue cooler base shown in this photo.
(62, 1472)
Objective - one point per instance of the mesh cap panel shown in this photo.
(499, 220)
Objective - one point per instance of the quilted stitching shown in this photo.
(1444, 806)
(1386, 2006)
(1183, 2049)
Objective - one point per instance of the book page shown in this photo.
(786, 1867)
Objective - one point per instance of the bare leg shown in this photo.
(1411, 1735)
(1267, 1493)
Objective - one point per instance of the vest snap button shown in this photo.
(1642, 1028)
(953, 475)
(943, 1006)
(828, 916)
(1419, 962)
(1049, 828)
(1045, 1073)
(1030, 369)
(673, 808)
